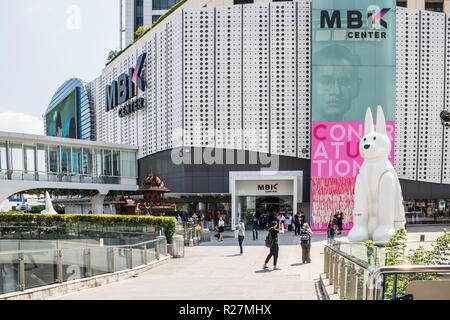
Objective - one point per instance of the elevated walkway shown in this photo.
(32, 161)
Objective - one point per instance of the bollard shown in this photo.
(336, 274)
(342, 280)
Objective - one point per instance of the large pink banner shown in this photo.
(334, 166)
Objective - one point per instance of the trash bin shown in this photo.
(205, 235)
(178, 246)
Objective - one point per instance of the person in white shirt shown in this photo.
(241, 234)
(221, 225)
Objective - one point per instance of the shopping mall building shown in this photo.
(218, 98)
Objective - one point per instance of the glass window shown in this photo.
(76, 160)
(116, 163)
(165, 4)
(107, 163)
(133, 165)
(29, 155)
(98, 162)
(65, 159)
(42, 158)
(3, 163)
(88, 161)
(16, 156)
(54, 156)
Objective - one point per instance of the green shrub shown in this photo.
(168, 223)
(39, 208)
(395, 255)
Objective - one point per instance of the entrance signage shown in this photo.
(353, 67)
(258, 187)
(124, 88)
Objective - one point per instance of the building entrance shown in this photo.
(266, 208)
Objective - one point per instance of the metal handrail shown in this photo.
(374, 277)
(375, 273)
(80, 248)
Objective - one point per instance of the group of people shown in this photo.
(301, 228)
(333, 224)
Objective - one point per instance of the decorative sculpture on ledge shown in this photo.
(48, 205)
(378, 208)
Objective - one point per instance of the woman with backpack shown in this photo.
(272, 243)
(305, 239)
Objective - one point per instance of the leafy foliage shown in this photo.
(168, 223)
(395, 255)
(39, 208)
(112, 54)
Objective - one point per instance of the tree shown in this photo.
(112, 54)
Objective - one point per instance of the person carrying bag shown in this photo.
(272, 243)
(305, 241)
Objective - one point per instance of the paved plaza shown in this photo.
(216, 271)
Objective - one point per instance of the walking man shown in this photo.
(241, 234)
(273, 237)
(255, 224)
(297, 223)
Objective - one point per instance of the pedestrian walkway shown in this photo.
(216, 271)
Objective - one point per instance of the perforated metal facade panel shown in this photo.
(446, 135)
(256, 67)
(407, 98)
(229, 77)
(303, 79)
(431, 96)
(199, 113)
(283, 82)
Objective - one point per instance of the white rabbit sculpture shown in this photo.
(378, 209)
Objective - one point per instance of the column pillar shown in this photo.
(97, 202)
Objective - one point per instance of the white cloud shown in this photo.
(21, 122)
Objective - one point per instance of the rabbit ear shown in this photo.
(368, 126)
(381, 122)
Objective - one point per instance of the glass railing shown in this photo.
(368, 256)
(17, 237)
(27, 269)
(63, 177)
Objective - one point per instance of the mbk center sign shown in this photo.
(353, 67)
(124, 88)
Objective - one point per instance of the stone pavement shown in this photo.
(216, 271)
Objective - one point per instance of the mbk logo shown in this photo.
(354, 18)
(267, 187)
(123, 88)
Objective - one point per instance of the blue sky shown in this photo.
(44, 43)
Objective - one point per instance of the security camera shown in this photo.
(445, 118)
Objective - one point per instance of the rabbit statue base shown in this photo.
(378, 209)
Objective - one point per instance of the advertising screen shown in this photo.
(353, 61)
(61, 121)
